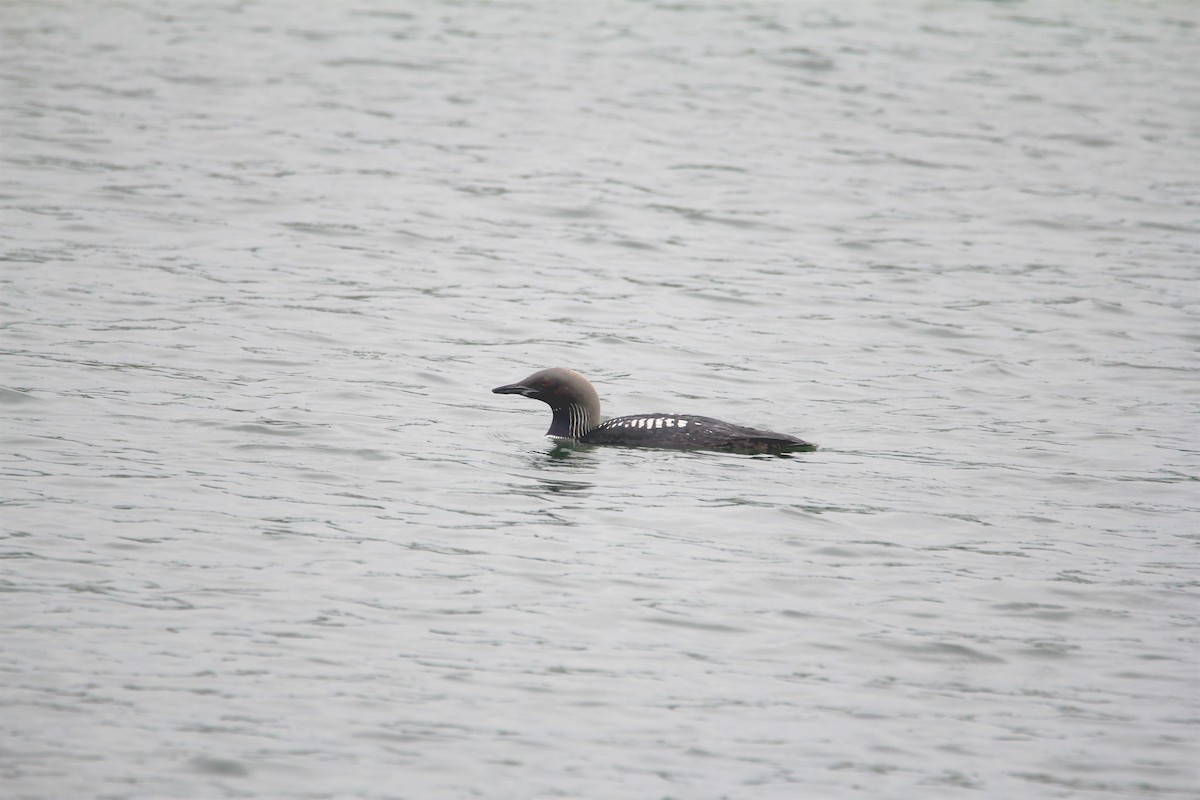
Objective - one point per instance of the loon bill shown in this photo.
(576, 408)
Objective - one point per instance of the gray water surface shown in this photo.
(266, 532)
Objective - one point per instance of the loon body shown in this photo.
(576, 408)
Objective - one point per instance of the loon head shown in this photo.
(575, 404)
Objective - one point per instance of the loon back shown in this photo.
(690, 432)
(576, 408)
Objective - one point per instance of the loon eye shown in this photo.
(545, 382)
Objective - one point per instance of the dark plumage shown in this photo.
(576, 408)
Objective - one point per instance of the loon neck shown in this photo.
(574, 421)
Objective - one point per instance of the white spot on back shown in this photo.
(683, 423)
